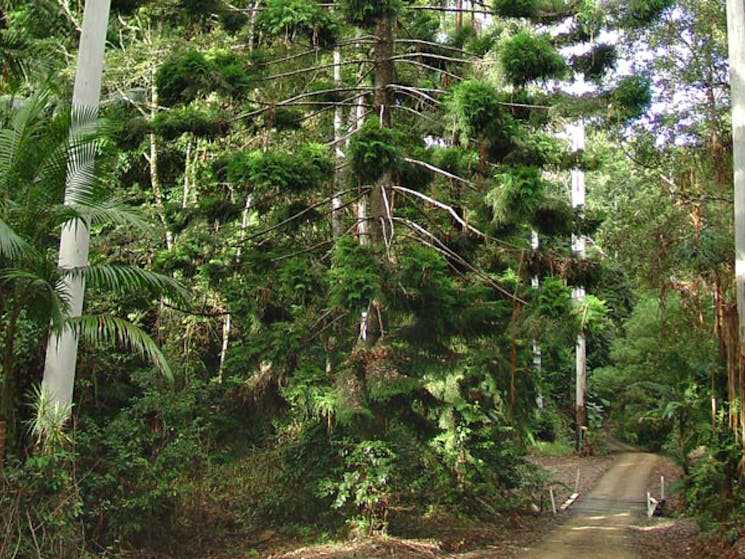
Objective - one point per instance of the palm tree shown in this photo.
(37, 155)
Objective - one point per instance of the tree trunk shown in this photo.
(154, 176)
(578, 293)
(379, 199)
(736, 40)
(7, 389)
(62, 349)
(337, 225)
(535, 283)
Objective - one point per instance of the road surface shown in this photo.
(600, 521)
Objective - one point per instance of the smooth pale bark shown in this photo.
(362, 230)
(535, 283)
(62, 349)
(228, 322)
(154, 168)
(336, 203)
(736, 40)
(578, 293)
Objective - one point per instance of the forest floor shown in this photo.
(527, 535)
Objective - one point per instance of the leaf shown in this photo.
(124, 278)
(109, 329)
(12, 246)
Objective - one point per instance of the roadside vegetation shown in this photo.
(332, 259)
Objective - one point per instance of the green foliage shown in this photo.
(153, 444)
(292, 19)
(280, 171)
(365, 13)
(595, 63)
(515, 8)
(526, 57)
(591, 314)
(429, 294)
(552, 299)
(366, 472)
(657, 362)
(643, 12)
(711, 492)
(190, 75)
(630, 98)
(477, 110)
(200, 8)
(553, 217)
(42, 507)
(520, 193)
(184, 77)
(537, 150)
(233, 78)
(373, 151)
(354, 277)
(172, 124)
(127, 7)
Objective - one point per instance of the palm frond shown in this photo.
(44, 298)
(107, 212)
(13, 246)
(122, 278)
(109, 329)
(23, 125)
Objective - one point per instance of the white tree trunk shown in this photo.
(363, 231)
(535, 283)
(736, 39)
(336, 216)
(62, 350)
(228, 322)
(578, 292)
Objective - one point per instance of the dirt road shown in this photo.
(601, 519)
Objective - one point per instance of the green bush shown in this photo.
(364, 483)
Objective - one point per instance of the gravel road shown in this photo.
(601, 520)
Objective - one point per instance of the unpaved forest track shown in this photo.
(601, 520)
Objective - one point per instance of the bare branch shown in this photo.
(439, 171)
(440, 247)
(314, 68)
